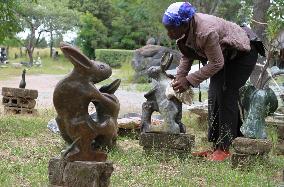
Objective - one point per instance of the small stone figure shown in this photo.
(86, 136)
(170, 109)
(23, 81)
(257, 104)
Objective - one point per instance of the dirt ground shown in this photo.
(130, 101)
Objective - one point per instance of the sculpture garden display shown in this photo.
(169, 135)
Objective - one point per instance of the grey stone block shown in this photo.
(18, 102)
(251, 146)
(167, 141)
(19, 92)
(17, 110)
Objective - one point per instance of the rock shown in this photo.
(151, 41)
(150, 55)
(129, 123)
(167, 141)
(18, 110)
(132, 114)
(16, 65)
(239, 160)
(134, 122)
(278, 123)
(79, 173)
(52, 125)
(18, 102)
(19, 92)
(280, 148)
(251, 146)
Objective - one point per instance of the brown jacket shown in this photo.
(208, 36)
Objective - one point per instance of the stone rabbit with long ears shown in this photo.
(72, 95)
(157, 100)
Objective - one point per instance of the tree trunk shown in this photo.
(30, 46)
(260, 8)
(51, 44)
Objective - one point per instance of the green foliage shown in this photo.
(92, 35)
(8, 19)
(114, 57)
(275, 19)
(101, 9)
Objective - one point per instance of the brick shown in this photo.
(19, 92)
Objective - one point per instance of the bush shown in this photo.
(114, 57)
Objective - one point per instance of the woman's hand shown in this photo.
(180, 84)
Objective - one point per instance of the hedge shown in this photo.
(114, 57)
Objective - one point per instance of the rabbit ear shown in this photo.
(76, 57)
(166, 60)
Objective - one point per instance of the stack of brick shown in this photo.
(19, 100)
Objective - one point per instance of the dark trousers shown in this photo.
(223, 95)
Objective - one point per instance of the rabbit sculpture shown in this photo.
(86, 136)
(170, 109)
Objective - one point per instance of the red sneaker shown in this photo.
(219, 155)
(202, 153)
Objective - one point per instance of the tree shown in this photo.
(92, 34)
(8, 19)
(101, 9)
(43, 16)
(260, 8)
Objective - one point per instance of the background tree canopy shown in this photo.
(124, 24)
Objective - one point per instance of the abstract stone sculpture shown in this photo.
(170, 109)
(86, 136)
(257, 104)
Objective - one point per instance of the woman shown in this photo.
(231, 58)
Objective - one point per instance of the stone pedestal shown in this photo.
(247, 150)
(179, 144)
(19, 100)
(279, 125)
(79, 173)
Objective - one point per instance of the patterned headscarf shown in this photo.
(178, 13)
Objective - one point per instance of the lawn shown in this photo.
(27, 145)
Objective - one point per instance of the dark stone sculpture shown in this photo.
(170, 109)
(23, 81)
(86, 136)
(151, 55)
(258, 104)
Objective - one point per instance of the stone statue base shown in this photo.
(19, 100)
(179, 144)
(79, 173)
(247, 150)
(279, 126)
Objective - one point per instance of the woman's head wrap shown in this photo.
(178, 13)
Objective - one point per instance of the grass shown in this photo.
(49, 66)
(27, 146)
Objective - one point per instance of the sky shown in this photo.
(68, 37)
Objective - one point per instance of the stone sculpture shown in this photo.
(258, 104)
(23, 81)
(170, 109)
(86, 136)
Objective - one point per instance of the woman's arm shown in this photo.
(213, 52)
(184, 66)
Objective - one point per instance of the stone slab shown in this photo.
(19, 92)
(280, 147)
(239, 160)
(168, 141)
(18, 102)
(17, 110)
(278, 123)
(79, 173)
(251, 146)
